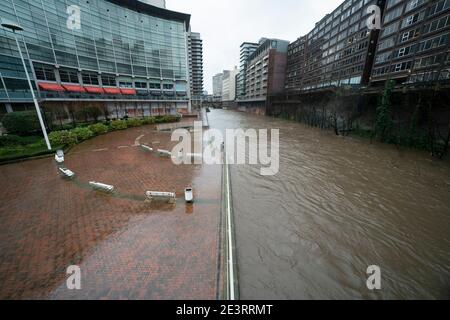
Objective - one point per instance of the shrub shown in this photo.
(21, 123)
(118, 125)
(149, 120)
(167, 119)
(13, 140)
(134, 122)
(63, 138)
(98, 128)
(82, 134)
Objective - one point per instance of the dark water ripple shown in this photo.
(337, 206)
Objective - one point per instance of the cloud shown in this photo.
(225, 24)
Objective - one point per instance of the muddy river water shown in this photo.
(337, 206)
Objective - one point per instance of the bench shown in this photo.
(151, 196)
(164, 153)
(66, 173)
(146, 148)
(101, 187)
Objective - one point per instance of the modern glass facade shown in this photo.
(131, 46)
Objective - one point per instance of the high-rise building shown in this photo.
(414, 42)
(217, 86)
(247, 48)
(156, 3)
(266, 70)
(338, 51)
(195, 45)
(229, 85)
(412, 46)
(128, 57)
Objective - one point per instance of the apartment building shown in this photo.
(265, 74)
(338, 51)
(247, 48)
(195, 45)
(412, 46)
(229, 85)
(218, 86)
(414, 42)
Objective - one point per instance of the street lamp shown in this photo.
(15, 27)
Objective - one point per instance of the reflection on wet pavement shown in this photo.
(125, 248)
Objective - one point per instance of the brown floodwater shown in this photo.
(337, 206)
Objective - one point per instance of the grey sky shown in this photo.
(225, 24)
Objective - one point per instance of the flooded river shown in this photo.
(337, 206)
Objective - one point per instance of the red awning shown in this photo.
(128, 91)
(50, 86)
(73, 88)
(112, 90)
(94, 89)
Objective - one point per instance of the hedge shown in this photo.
(65, 137)
(134, 122)
(118, 125)
(99, 128)
(21, 122)
(82, 134)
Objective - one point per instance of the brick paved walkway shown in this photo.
(126, 249)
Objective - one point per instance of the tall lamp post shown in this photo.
(15, 27)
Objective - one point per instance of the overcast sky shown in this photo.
(225, 24)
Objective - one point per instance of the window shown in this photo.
(412, 4)
(155, 85)
(69, 75)
(44, 72)
(393, 14)
(168, 86)
(109, 80)
(140, 84)
(90, 78)
(390, 29)
(125, 84)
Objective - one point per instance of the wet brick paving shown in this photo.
(126, 248)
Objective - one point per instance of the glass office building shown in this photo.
(127, 55)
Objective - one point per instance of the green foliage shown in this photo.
(384, 124)
(82, 134)
(13, 140)
(21, 123)
(167, 119)
(13, 147)
(148, 120)
(98, 128)
(63, 138)
(118, 125)
(134, 122)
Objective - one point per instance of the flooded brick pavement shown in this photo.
(126, 249)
